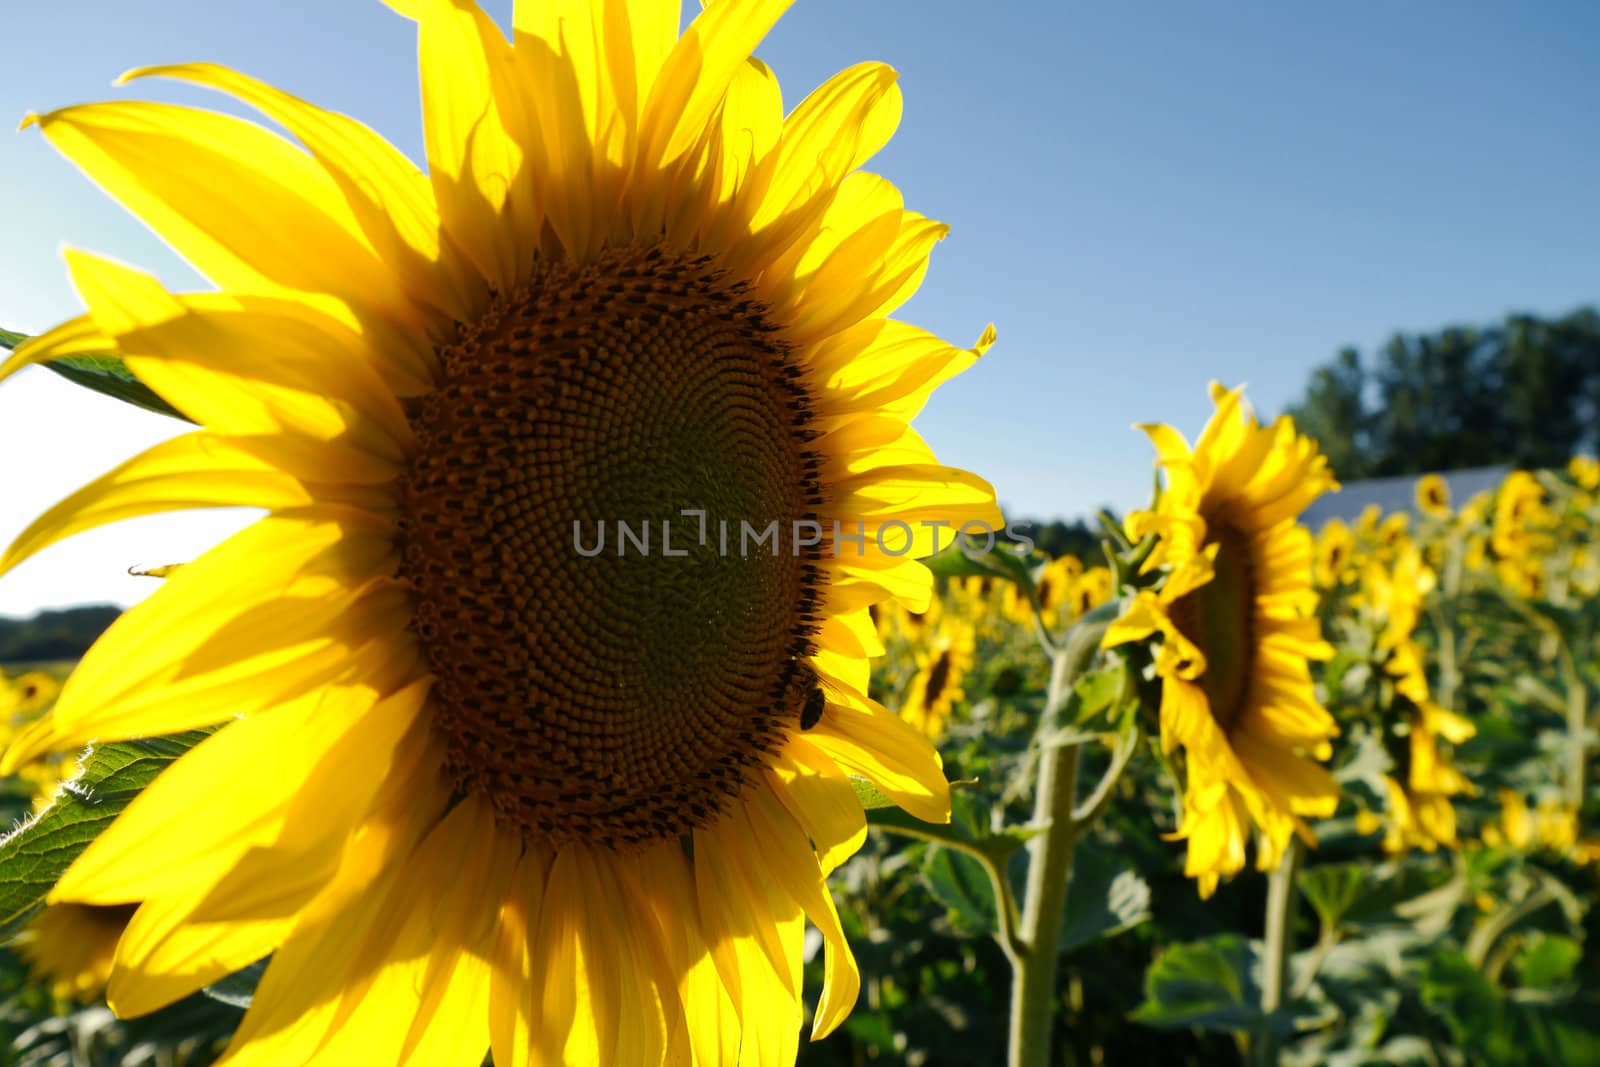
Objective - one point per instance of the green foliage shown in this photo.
(1203, 985)
(62, 634)
(35, 855)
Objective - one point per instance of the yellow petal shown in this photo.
(390, 199)
(785, 853)
(601, 1002)
(75, 337)
(472, 110)
(880, 746)
(196, 470)
(836, 129)
(246, 208)
(697, 72)
(160, 961)
(821, 799)
(272, 612)
(414, 950)
(291, 781)
(245, 365)
(712, 1023)
(511, 1017)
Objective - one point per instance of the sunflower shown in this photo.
(936, 686)
(1053, 592)
(1419, 810)
(479, 786)
(1433, 496)
(1335, 551)
(1237, 629)
(70, 947)
(1089, 591)
(28, 693)
(1421, 792)
(1521, 534)
(1585, 472)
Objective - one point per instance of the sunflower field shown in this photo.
(609, 674)
(1410, 880)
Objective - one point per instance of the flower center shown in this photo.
(607, 669)
(938, 677)
(1219, 617)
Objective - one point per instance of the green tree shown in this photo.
(1525, 392)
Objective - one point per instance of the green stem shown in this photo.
(1033, 974)
(1488, 931)
(1281, 901)
(1577, 708)
(1577, 728)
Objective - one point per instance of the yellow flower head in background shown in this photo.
(1551, 826)
(1433, 496)
(936, 686)
(28, 693)
(1394, 532)
(1419, 810)
(71, 946)
(1089, 591)
(1395, 595)
(1236, 622)
(1052, 592)
(1585, 470)
(477, 788)
(1335, 554)
(1521, 534)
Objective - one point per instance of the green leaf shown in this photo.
(1549, 961)
(1105, 898)
(36, 854)
(871, 797)
(1204, 985)
(1470, 1005)
(1097, 690)
(239, 988)
(1332, 888)
(106, 374)
(966, 560)
(960, 883)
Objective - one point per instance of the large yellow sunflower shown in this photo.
(478, 787)
(1236, 620)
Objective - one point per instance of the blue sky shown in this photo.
(1143, 196)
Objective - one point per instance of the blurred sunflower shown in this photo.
(1521, 534)
(28, 693)
(1419, 810)
(476, 788)
(70, 947)
(1335, 553)
(1089, 591)
(1235, 617)
(1433, 496)
(1051, 592)
(936, 686)
(1585, 471)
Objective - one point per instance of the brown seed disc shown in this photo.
(1219, 617)
(623, 697)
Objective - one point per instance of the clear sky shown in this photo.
(1144, 196)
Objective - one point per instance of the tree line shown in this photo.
(1524, 392)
